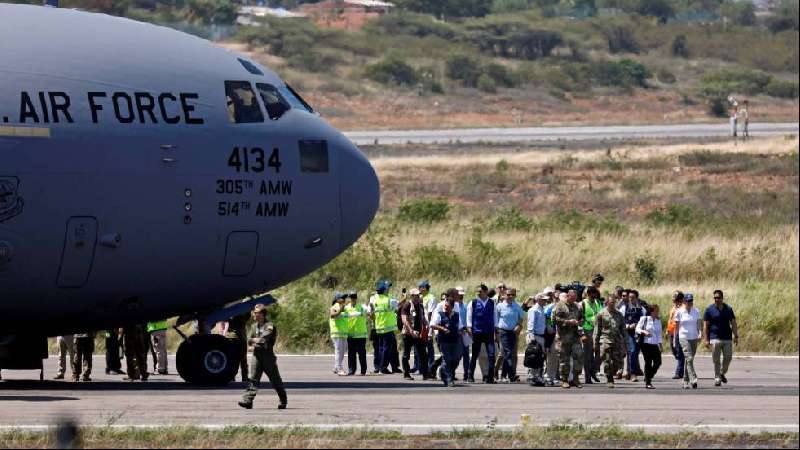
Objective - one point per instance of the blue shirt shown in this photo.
(537, 322)
(719, 322)
(507, 317)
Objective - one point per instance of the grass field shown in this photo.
(533, 437)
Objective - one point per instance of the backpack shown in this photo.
(534, 355)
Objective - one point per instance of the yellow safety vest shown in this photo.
(589, 313)
(339, 325)
(385, 316)
(357, 322)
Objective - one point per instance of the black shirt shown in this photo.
(719, 322)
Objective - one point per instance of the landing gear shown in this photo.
(208, 359)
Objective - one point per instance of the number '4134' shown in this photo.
(254, 160)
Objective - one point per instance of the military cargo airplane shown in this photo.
(146, 173)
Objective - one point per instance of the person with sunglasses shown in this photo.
(720, 333)
(687, 335)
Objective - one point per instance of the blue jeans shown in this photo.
(680, 359)
(451, 354)
(633, 356)
(431, 353)
(465, 359)
(387, 351)
(508, 339)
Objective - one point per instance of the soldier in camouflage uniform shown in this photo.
(262, 340)
(568, 317)
(610, 339)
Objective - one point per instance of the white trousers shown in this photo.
(340, 352)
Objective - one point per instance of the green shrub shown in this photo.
(439, 262)
(739, 13)
(782, 89)
(463, 68)
(621, 39)
(486, 84)
(392, 70)
(412, 24)
(424, 210)
(624, 73)
(646, 268)
(666, 77)
(751, 82)
(673, 215)
(511, 219)
(680, 46)
(660, 9)
(500, 75)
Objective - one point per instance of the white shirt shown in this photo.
(431, 306)
(483, 302)
(436, 320)
(653, 326)
(457, 307)
(688, 320)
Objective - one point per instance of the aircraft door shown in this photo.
(78, 255)
(240, 254)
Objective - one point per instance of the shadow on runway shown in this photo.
(34, 398)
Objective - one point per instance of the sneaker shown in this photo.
(610, 383)
(565, 385)
(717, 382)
(723, 379)
(635, 379)
(649, 386)
(408, 378)
(280, 406)
(578, 384)
(245, 404)
(386, 372)
(514, 379)
(694, 385)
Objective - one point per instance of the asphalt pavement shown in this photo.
(533, 134)
(763, 395)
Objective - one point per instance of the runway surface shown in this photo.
(763, 395)
(473, 135)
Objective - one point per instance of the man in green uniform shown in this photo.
(237, 328)
(262, 341)
(568, 317)
(610, 339)
(592, 305)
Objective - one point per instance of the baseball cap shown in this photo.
(688, 297)
(424, 284)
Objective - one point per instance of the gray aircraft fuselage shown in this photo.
(128, 194)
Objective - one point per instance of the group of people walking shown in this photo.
(570, 332)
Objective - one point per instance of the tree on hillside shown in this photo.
(786, 17)
(661, 9)
(740, 13)
(211, 11)
(444, 9)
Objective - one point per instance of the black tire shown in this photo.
(208, 360)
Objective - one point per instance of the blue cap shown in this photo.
(424, 284)
(688, 297)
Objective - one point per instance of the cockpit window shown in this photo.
(273, 100)
(250, 67)
(295, 99)
(314, 156)
(242, 103)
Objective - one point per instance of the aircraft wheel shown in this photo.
(210, 360)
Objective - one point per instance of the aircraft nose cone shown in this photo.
(359, 194)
